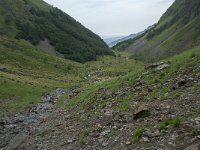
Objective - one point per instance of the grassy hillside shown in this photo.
(185, 65)
(26, 73)
(35, 20)
(178, 30)
(166, 101)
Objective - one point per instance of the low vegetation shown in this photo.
(175, 122)
(138, 135)
(84, 134)
(153, 80)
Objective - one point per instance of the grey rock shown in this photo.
(95, 135)
(128, 143)
(104, 144)
(197, 119)
(107, 131)
(151, 134)
(162, 66)
(17, 142)
(3, 140)
(145, 139)
(70, 141)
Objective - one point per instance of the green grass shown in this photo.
(30, 69)
(60, 103)
(175, 122)
(138, 135)
(125, 103)
(87, 96)
(84, 134)
(197, 88)
(16, 95)
(178, 65)
(195, 130)
(30, 73)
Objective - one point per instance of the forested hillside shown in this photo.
(35, 20)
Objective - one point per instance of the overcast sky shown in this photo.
(114, 17)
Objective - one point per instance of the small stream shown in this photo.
(14, 130)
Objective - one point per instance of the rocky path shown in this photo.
(114, 130)
(14, 130)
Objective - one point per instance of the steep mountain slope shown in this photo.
(177, 31)
(35, 20)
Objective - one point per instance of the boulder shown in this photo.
(161, 67)
(158, 66)
(141, 112)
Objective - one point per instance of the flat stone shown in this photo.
(104, 144)
(128, 143)
(151, 134)
(17, 142)
(70, 141)
(145, 139)
(161, 67)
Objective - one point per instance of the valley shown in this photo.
(99, 112)
(62, 88)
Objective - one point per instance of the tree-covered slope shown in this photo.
(35, 20)
(177, 30)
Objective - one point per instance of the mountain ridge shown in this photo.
(176, 31)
